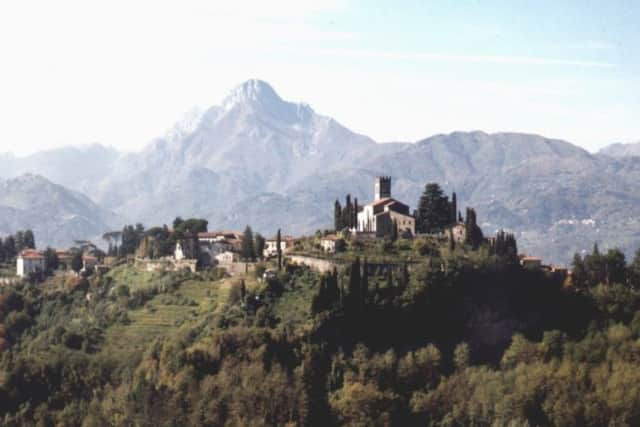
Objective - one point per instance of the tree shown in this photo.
(434, 211)
(364, 285)
(19, 240)
(634, 271)
(279, 249)
(337, 216)
(259, 244)
(394, 231)
(615, 267)
(10, 248)
(461, 356)
(247, 251)
(29, 240)
(473, 233)
(76, 262)
(454, 208)
(51, 260)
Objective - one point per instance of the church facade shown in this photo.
(379, 216)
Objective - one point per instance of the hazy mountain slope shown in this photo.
(78, 168)
(621, 150)
(254, 143)
(55, 214)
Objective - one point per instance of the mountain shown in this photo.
(77, 168)
(254, 143)
(260, 160)
(621, 150)
(56, 214)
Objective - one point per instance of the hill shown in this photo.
(422, 334)
(56, 214)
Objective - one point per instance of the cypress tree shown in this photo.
(279, 249)
(247, 249)
(454, 208)
(354, 221)
(394, 230)
(364, 288)
(337, 216)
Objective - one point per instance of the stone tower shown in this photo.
(383, 187)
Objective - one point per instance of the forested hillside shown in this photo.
(400, 333)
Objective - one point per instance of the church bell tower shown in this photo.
(382, 187)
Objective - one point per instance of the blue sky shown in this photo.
(120, 73)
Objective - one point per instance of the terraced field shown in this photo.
(164, 314)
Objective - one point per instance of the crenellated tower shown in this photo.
(382, 187)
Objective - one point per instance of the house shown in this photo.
(271, 245)
(531, 262)
(227, 257)
(89, 262)
(30, 261)
(331, 243)
(379, 216)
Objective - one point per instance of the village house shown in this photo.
(331, 243)
(227, 257)
(271, 245)
(89, 262)
(531, 262)
(30, 261)
(379, 216)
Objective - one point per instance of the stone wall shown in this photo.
(318, 264)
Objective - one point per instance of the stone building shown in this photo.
(378, 216)
(30, 261)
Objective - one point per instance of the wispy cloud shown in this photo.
(443, 57)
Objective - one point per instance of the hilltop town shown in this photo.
(398, 314)
(189, 245)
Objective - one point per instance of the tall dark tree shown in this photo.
(355, 294)
(259, 245)
(51, 260)
(434, 211)
(337, 216)
(454, 208)
(473, 233)
(247, 251)
(29, 240)
(634, 271)
(10, 249)
(347, 212)
(354, 216)
(364, 285)
(19, 240)
(279, 249)
(394, 230)
(76, 262)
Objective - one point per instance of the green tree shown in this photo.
(247, 251)
(279, 249)
(434, 211)
(259, 244)
(634, 271)
(337, 216)
(29, 240)
(461, 356)
(51, 260)
(76, 262)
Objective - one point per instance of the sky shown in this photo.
(120, 72)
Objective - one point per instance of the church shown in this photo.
(378, 216)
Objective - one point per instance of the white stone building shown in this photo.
(30, 261)
(378, 216)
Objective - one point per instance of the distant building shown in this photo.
(271, 245)
(30, 261)
(378, 216)
(331, 243)
(89, 262)
(531, 262)
(227, 257)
